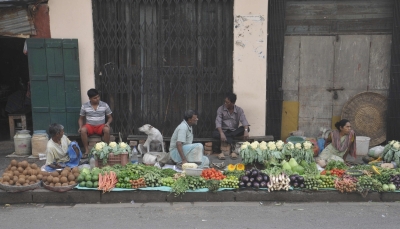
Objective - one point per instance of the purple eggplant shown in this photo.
(252, 179)
(256, 184)
(259, 178)
(292, 178)
(245, 178)
(300, 179)
(249, 184)
(263, 184)
(242, 184)
(266, 178)
(302, 186)
(254, 173)
(247, 173)
(295, 184)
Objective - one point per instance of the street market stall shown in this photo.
(280, 167)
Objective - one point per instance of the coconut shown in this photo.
(15, 178)
(63, 180)
(20, 169)
(33, 172)
(14, 162)
(16, 173)
(21, 176)
(26, 184)
(6, 183)
(13, 168)
(72, 182)
(56, 180)
(76, 174)
(33, 178)
(50, 179)
(24, 164)
(64, 173)
(21, 181)
(51, 185)
(65, 184)
(34, 166)
(71, 177)
(57, 185)
(25, 172)
(6, 178)
(75, 170)
(55, 174)
(39, 176)
(11, 182)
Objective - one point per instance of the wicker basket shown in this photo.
(367, 114)
(59, 189)
(113, 159)
(13, 188)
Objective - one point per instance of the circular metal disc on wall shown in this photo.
(367, 114)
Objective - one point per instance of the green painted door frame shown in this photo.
(55, 83)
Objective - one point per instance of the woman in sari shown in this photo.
(340, 143)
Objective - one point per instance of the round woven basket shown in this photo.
(59, 189)
(13, 188)
(367, 114)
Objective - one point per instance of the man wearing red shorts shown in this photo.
(94, 112)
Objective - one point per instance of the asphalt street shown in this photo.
(203, 215)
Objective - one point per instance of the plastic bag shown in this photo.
(376, 151)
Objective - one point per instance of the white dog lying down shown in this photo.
(153, 135)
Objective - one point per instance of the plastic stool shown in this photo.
(11, 118)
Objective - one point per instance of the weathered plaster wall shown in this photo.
(41, 21)
(250, 61)
(73, 19)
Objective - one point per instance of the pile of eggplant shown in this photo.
(296, 181)
(395, 179)
(254, 178)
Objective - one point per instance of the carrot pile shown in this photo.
(334, 172)
(107, 181)
(139, 183)
(212, 174)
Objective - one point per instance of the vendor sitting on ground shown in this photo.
(182, 150)
(339, 144)
(61, 152)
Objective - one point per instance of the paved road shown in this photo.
(203, 215)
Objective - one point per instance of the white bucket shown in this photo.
(22, 142)
(39, 143)
(362, 145)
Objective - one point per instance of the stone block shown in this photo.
(72, 196)
(137, 196)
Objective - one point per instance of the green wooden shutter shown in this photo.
(72, 84)
(55, 84)
(39, 84)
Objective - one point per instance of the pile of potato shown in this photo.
(66, 177)
(21, 174)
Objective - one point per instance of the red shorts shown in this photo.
(94, 129)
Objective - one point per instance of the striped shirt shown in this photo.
(95, 117)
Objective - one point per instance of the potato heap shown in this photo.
(21, 174)
(66, 177)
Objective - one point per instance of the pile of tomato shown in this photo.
(334, 172)
(212, 174)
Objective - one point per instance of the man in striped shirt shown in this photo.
(94, 112)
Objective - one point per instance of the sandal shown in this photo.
(85, 156)
(233, 156)
(221, 156)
